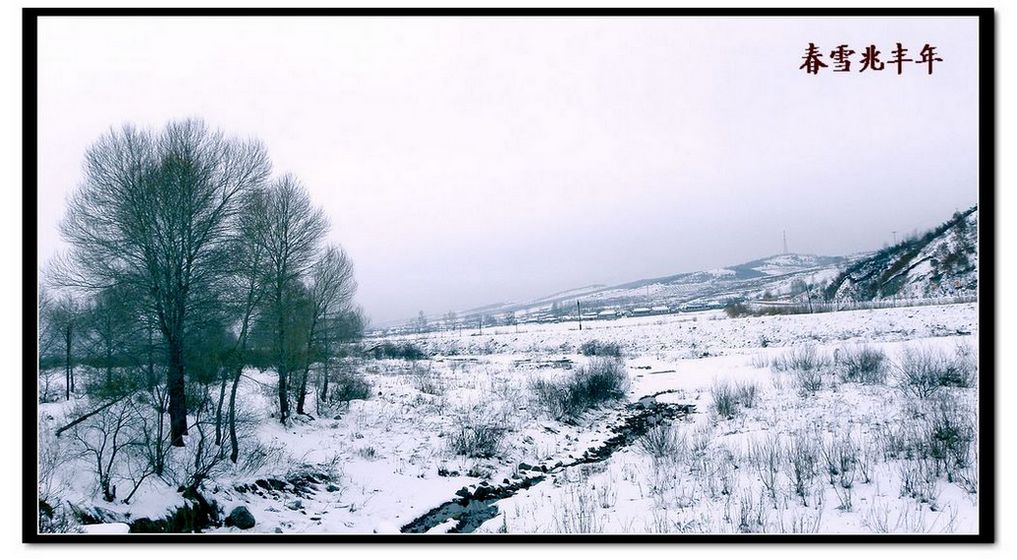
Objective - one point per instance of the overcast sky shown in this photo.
(470, 161)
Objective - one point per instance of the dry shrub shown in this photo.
(600, 381)
(862, 364)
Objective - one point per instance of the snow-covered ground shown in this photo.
(711, 483)
(381, 463)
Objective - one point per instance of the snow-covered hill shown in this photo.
(777, 276)
(942, 262)
(774, 276)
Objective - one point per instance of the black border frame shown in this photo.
(986, 299)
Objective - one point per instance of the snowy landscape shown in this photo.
(853, 421)
(538, 275)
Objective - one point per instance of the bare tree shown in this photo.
(119, 440)
(154, 213)
(343, 327)
(65, 318)
(106, 437)
(48, 341)
(153, 431)
(290, 230)
(46, 330)
(209, 360)
(208, 455)
(451, 321)
(111, 327)
(248, 286)
(331, 291)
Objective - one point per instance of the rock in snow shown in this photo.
(240, 518)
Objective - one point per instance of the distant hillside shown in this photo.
(778, 276)
(768, 277)
(569, 294)
(776, 265)
(942, 262)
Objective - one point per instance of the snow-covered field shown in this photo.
(838, 457)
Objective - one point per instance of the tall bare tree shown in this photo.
(331, 290)
(154, 212)
(247, 285)
(65, 318)
(290, 231)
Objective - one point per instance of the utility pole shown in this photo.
(785, 241)
(579, 313)
(894, 237)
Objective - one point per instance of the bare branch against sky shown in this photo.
(468, 161)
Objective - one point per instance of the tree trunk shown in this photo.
(302, 391)
(160, 458)
(68, 369)
(302, 394)
(240, 355)
(323, 395)
(317, 388)
(177, 397)
(234, 443)
(308, 353)
(150, 351)
(284, 403)
(218, 409)
(108, 494)
(109, 365)
(86, 416)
